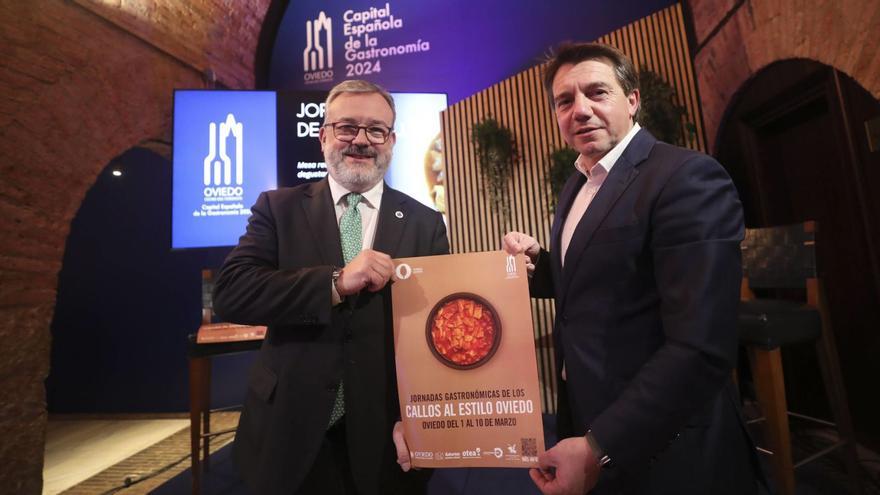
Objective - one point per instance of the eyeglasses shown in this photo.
(346, 132)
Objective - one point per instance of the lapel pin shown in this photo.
(398, 214)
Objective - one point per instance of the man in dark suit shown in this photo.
(644, 264)
(314, 266)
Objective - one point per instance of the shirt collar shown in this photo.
(610, 158)
(373, 196)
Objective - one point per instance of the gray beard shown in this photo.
(356, 179)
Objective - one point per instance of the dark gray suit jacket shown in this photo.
(646, 311)
(279, 275)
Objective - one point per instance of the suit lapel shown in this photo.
(321, 216)
(566, 198)
(621, 176)
(393, 215)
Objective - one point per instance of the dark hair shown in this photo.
(575, 53)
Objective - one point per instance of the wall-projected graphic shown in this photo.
(417, 165)
(224, 156)
(456, 47)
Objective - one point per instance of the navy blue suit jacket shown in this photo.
(646, 311)
(279, 275)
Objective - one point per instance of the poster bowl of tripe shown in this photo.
(463, 331)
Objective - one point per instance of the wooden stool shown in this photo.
(784, 257)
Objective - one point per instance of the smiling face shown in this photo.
(358, 165)
(592, 109)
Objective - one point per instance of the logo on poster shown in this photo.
(403, 271)
(471, 453)
(318, 54)
(511, 265)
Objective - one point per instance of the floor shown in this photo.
(826, 476)
(77, 449)
(96, 456)
(140, 456)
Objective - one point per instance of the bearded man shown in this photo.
(314, 267)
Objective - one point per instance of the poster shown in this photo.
(465, 353)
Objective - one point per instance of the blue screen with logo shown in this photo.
(231, 145)
(456, 47)
(224, 156)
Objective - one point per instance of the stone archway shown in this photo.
(82, 82)
(794, 145)
(736, 39)
(744, 42)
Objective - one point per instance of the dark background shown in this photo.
(127, 302)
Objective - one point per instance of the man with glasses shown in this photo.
(314, 267)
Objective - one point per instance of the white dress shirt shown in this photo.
(369, 210)
(595, 178)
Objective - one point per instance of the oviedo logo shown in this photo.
(218, 168)
(318, 54)
(511, 265)
(403, 271)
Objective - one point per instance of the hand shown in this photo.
(400, 444)
(576, 468)
(517, 242)
(369, 270)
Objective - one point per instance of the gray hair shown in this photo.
(360, 86)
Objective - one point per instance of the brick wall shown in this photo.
(736, 39)
(81, 82)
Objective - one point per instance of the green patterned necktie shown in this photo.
(350, 234)
(350, 228)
